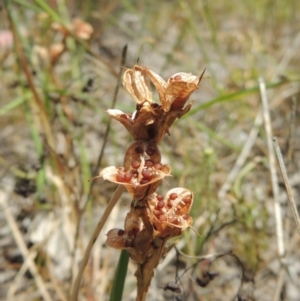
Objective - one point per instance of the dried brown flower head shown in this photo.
(170, 215)
(151, 120)
(134, 238)
(56, 50)
(142, 172)
(81, 29)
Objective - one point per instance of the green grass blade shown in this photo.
(6, 2)
(232, 96)
(28, 5)
(119, 281)
(43, 5)
(85, 168)
(14, 104)
(213, 135)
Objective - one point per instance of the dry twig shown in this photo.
(24, 251)
(108, 209)
(287, 184)
(272, 163)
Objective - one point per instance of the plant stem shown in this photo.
(108, 209)
(145, 272)
(118, 285)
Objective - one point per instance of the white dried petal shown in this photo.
(122, 117)
(137, 85)
(159, 84)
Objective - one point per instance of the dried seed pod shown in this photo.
(174, 217)
(133, 224)
(146, 186)
(184, 199)
(136, 83)
(116, 239)
(135, 152)
(142, 246)
(135, 186)
(81, 29)
(153, 152)
(179, 88)
(176, 91)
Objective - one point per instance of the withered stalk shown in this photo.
(153, 218)
(75, 288)
(145, 272)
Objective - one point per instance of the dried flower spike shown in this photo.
(152, 219)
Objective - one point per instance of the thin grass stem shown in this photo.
(287, 184)
(272, 166)
(22, 247)
(95, 234)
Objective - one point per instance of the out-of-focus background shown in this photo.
(55, 87)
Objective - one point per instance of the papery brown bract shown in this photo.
(168, 119)
(133, 224)
(144, 124)
(179, 88)
(123, 118)
(116, 239)
(147, 122)
(136, 83)
(174, 93)
(139, 245)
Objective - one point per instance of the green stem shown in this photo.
(119, 281)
